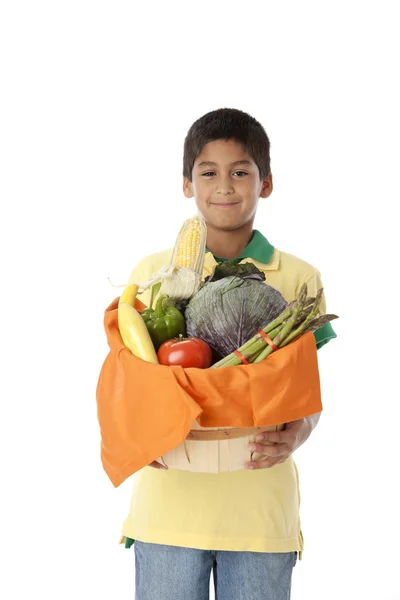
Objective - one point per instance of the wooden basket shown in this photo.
(215, 449)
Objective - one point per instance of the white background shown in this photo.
(96, 100)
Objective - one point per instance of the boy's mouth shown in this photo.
(224, 204)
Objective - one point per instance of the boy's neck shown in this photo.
(229, 244)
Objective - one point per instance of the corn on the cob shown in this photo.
(182, 277)
(190, 245)
(132, 328)
(187, 261)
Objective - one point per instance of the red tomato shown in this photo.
(186, 352)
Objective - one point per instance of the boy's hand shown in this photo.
(284, 443)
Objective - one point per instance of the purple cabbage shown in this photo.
(233, 303)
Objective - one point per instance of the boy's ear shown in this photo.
(267, 187)
(187, 188)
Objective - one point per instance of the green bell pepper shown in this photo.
(163, 322)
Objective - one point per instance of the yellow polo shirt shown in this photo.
(242, 510)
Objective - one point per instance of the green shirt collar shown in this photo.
(258, 248)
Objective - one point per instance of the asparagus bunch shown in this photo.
(298, 318)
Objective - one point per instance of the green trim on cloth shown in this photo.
(258, 248)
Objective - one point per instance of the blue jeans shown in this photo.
(175, 573)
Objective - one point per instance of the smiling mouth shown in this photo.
(224, 204)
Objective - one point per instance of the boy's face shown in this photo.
(227, 191)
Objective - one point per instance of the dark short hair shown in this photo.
(227, 124)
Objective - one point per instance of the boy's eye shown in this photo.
(212, 173)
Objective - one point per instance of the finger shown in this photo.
(272, 451)
(275, 437)
(264, 464)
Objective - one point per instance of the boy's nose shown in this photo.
(225, 191)
(224, 185)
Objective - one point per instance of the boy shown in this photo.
(243, 525)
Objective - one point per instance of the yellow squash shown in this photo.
(132, 328)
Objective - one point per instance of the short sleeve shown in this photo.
(146, 268)
(325, 333)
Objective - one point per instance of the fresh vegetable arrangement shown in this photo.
(169, 400)
(234, 317)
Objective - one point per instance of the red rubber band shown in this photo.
(241, 357)
(267, 339)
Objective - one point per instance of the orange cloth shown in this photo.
(146, 410)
